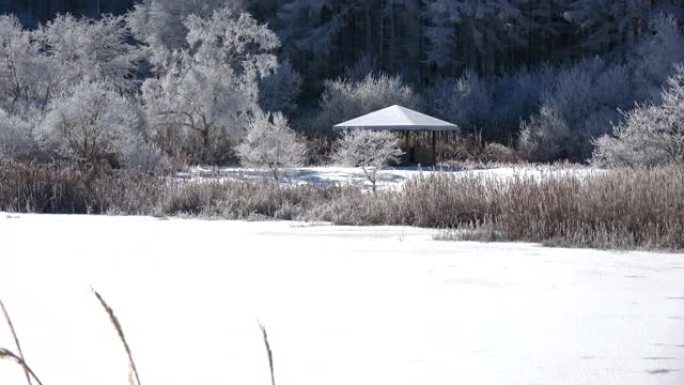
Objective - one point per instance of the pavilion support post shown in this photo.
(408, 147)
(434, 148)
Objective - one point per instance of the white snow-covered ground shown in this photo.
(343, 306)
(325, 176)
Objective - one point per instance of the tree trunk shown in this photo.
(206, 144)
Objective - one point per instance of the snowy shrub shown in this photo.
(16, 138)
(496, 152)
(473, 151)
(343, 99)
(545, 136)
(370, 150)
(92, 124)
(271, 143)
(650, 135)
(143, 156)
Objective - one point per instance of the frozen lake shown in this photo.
(343, 306)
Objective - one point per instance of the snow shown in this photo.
(390, 178)
(362, 306)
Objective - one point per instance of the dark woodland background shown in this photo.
(32, 12)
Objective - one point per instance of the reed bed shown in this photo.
(628, 209)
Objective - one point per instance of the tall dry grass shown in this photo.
(17, 357)
(58, 189)
(614, 209)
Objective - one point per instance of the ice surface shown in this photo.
(390, 178)
(343, 306)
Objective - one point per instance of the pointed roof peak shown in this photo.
(398, 118)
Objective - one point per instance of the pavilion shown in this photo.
(406, 121)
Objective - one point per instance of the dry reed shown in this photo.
(8, 354)
(119, 330)
(269, 352)
(20, 353)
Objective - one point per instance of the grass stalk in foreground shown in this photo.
(7, 354)
(19, 356)
(264, 334)
(119, 330)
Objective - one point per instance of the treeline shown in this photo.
(182, 80)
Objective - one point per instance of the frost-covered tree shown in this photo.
(24, 71)
(655, 57)
(211, 91)
(36, 66)
(650, 135)
(88, 50)
(368, 149)
(584, 100)
(271, 143)
(47, 69)
(92, 124)
(197, 110)
(161, 24)
(492, 106)
(235, 39)
(343, 99)
(279, 91)
(466, 101)
(518, 95)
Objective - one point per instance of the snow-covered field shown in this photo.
(326, 176)
(343, 306)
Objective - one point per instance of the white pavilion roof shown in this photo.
(397, 118)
